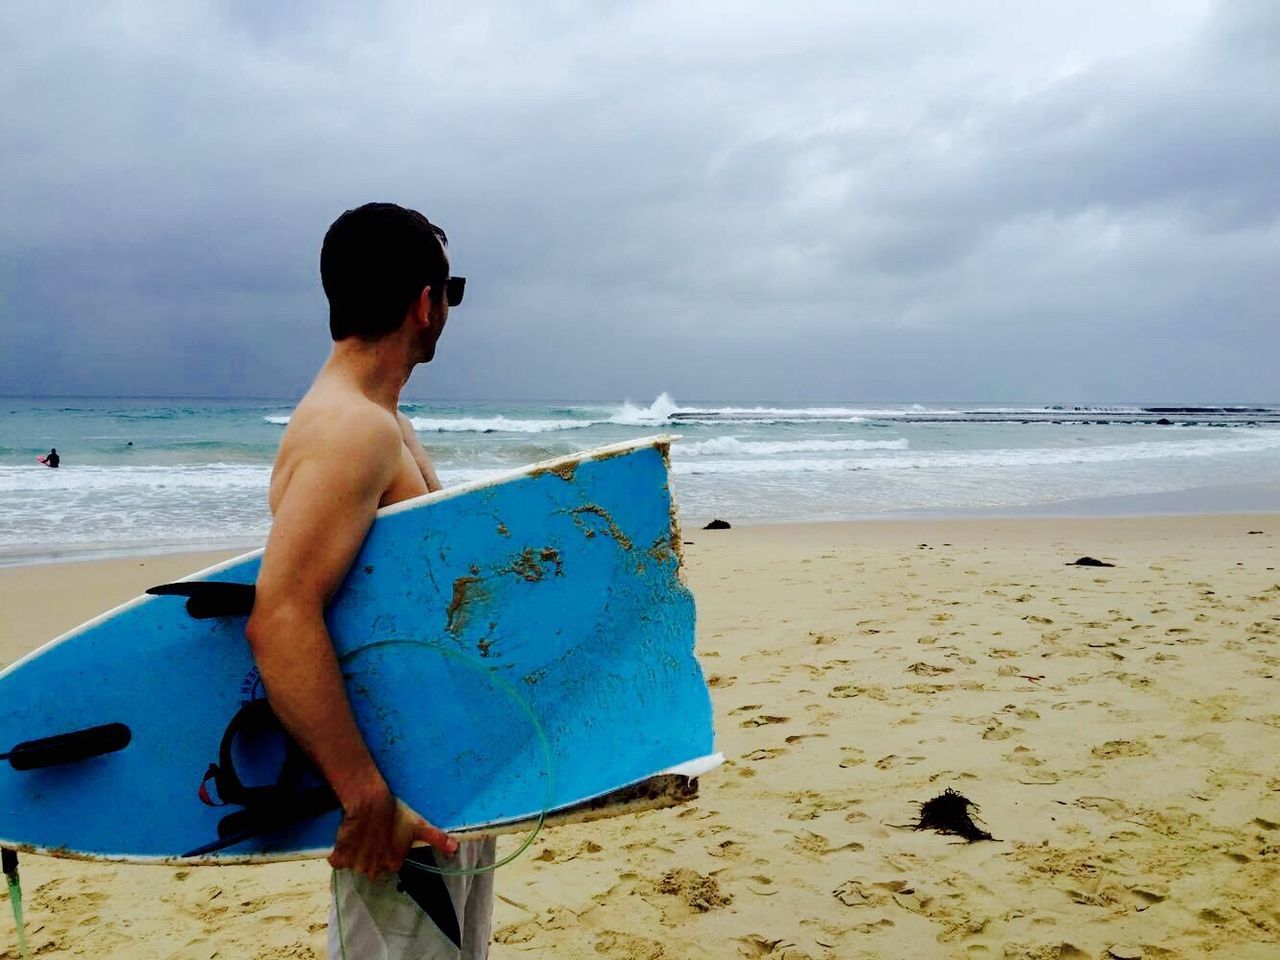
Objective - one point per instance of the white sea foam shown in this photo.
(664, 410)
(777, 413)
(660, 411)
(1240, 442)
(88, 481)
(498, 424)
(732, 446)
(761, 421)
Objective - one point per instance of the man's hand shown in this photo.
(378, 831)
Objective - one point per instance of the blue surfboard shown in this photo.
(509, 647)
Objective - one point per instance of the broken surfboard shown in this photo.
(510, 647)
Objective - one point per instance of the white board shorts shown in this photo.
(372, 920)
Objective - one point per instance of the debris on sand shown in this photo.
(948, 812)
(717, 525)
(1089, 562)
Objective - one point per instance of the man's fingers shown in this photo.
(436, 837)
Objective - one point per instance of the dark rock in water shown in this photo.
(717, 525)
(948, 812)
(1089, 562)
(1164, 422)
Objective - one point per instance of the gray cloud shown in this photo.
(716, 200)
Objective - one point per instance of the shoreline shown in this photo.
(1083, 511)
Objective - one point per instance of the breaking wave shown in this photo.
(732, 446)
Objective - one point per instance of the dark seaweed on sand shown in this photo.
(948, 812)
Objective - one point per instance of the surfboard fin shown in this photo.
(211, 598)
(68, 747)
(241, 825)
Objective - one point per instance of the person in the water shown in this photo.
(52, 460)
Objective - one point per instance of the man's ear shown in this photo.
(422, 309)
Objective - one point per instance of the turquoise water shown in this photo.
(153, 474)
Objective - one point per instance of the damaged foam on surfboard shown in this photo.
(561, 581)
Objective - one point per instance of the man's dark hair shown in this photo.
(374, 263)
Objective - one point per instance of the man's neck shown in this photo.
(379, 369)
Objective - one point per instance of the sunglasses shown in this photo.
(454, 288)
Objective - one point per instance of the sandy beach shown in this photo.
(1118, 727)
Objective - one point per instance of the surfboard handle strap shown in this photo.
(264, 809)
(211, 598)
(267, 807)
(68, 747)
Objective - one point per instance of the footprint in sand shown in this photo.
(998, 731)
(1121, 748)
(697, 891)
(797, 737)
(617, 945)
(859, 893)
(872, 691)
(815, 845)
(810, 804)
(851, 757)
(922, 669)
(66, 894)
(893, 760)
(754, 946)
(763, 720)
(727, 850)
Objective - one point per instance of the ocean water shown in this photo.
(154, 474)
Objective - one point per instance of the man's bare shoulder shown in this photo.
(338, 429)
(334, 421)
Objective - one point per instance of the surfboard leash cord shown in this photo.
(9, 861)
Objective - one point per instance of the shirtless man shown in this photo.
(346, 452)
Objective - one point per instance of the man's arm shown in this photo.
(419, 453)
(320, 523)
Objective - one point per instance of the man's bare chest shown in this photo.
(408, 481)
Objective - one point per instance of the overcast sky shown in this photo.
(850, 200)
